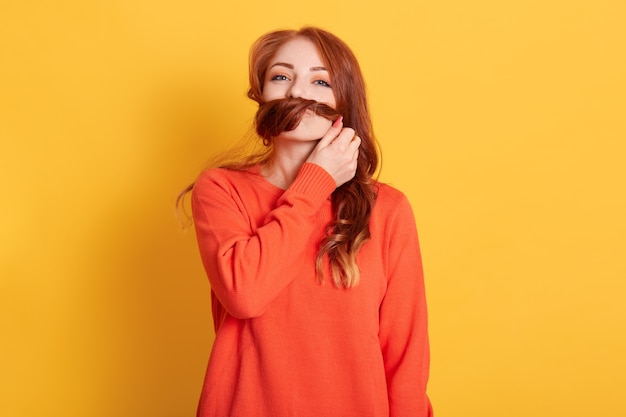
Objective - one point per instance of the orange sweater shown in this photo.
(288, 345)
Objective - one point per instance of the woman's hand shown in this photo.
(337, 152)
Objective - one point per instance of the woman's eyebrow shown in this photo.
(290, 66)
(282, 64)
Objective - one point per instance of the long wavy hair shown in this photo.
(353, 201)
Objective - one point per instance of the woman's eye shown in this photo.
(322, 83)
(279, 77)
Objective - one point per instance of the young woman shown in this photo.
(317, 287)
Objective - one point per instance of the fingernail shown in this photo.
(338, 121)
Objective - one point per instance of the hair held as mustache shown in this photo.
(276, 116)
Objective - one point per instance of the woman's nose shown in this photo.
(297, 90)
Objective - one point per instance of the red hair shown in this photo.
(353, 201)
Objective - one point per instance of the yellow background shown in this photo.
(503, 121)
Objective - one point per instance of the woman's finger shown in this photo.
(332, 132)
(344, 138)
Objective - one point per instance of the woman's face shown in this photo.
(298, 71)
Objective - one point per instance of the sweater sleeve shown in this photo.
(403, 319)
(247, 269)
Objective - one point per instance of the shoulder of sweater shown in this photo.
(217, 181)
(221, 174)
(224, 178)
(389, 196)
(392, 213)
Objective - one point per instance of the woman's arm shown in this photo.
(403, 319)
(248, 270)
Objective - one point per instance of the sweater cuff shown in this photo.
(314, 182)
